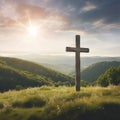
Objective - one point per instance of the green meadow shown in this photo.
(61, 103)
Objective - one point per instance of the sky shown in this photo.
(48, 26)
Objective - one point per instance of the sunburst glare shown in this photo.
(32, 30)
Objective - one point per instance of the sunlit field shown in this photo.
(61, 103)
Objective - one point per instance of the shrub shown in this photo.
(34, 117)
(103, 81)
(17, 104)
(19, 87)
(1, 106)
(30, 102)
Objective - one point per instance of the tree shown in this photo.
(111, 76)
(19, 87)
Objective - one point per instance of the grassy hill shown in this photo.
(92, 72)
(61, 103)
(10, 78)
(20, 72)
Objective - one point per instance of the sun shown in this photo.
(32, 30)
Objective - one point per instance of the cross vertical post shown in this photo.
(77, 80)
(77, 51)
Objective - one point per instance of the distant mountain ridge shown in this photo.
(65, 64)
(15, 71)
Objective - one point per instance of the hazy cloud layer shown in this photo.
(85, 15)
(12, 12)
(21, 12)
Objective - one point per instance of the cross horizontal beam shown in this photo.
(71, 49)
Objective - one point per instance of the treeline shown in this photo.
(110, 77)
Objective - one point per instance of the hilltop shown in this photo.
(15, 72)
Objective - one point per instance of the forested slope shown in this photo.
(92, 72)
(15, 72)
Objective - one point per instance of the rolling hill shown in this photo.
(64, 63)
(92, 72)
(10, 78)
(15, 72)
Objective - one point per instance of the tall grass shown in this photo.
(30, 102)
(61, 103)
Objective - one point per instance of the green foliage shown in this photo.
(19, 87)
(34, 102)
(34, 117)
(103, 81)
(30, 102)
(91, 73)
(111, 76)
(1, 105)
(61, 103)
(84, 83)
(10, 78)
(36, 69)
(14, 72)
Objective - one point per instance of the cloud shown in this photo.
(108, 12)
(11, 13)
(20, 13)
(88, 7)
(31, 11)
(7, 13)
(79, 15)
(105, 14)
(89, 15)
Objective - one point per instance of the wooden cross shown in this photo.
(77, 50)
